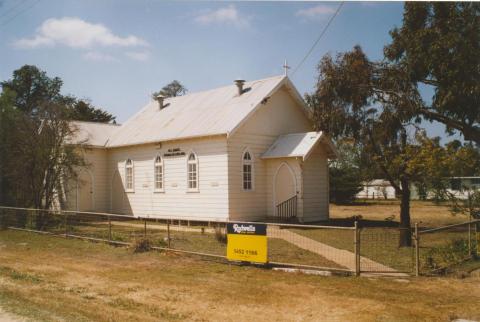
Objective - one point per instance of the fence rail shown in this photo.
(338, 248)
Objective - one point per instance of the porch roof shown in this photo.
(299, 145)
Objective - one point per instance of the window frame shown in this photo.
(128, 167)
(251, 163)
(162, 167)
(197, 172)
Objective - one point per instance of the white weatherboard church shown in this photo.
(242, 152)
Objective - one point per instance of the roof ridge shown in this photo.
(97, 123)
(224, 86)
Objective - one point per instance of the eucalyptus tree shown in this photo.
(438, 46)
(356, 98)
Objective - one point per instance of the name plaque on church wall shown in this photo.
(174, 152)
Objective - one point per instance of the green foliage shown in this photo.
(447, 255)
(33, 88)
(345, 183)
(438, 45)
(173, 89)
(35, 124)
(345, 173)
(82, 110)
(379, 105)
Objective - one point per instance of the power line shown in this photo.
(319, 37)
(12, 8)
(19, 13)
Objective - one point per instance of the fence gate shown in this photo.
(380, 251)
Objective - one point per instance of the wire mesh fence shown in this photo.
(444, 247)
(380, 251)
(325, 247)
(350, 249)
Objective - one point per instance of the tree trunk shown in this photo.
(405, 229)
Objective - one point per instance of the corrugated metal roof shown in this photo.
(214, 112)
(93, 133)
(293, 145)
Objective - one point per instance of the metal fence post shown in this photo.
(356, 242)
(470, 236)
(66, 224)
(168, 234)
(417, 251)
(109, 229)
(477, 237)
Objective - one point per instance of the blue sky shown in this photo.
(117, 52)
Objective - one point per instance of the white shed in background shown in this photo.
(377, 189)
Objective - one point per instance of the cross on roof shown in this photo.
(286, 67)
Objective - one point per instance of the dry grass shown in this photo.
(426, 213)
(50, 278)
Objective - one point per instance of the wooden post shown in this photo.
(417, 251)
(144, 228)
(168, 234)
(109, 229)
(356, 241)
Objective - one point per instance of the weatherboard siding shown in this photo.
(97, 160)
(315, 186)
(89, 192)
(211, 200)
(280, 115)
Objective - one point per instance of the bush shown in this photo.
(142, 245)
(444, 256)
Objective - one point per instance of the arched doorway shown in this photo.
(85, 191)
(284, 188)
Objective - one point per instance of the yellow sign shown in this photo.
(247, 242)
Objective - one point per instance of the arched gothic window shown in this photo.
(192, 172)
(247, 168)
(158, 174)
(129, 175)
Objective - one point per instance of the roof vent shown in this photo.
(160, 98)
(239, 83)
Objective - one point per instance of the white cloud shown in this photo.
(138, 55)
(227, 15)
(315, 12)
(99, 57)
(76, 33)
